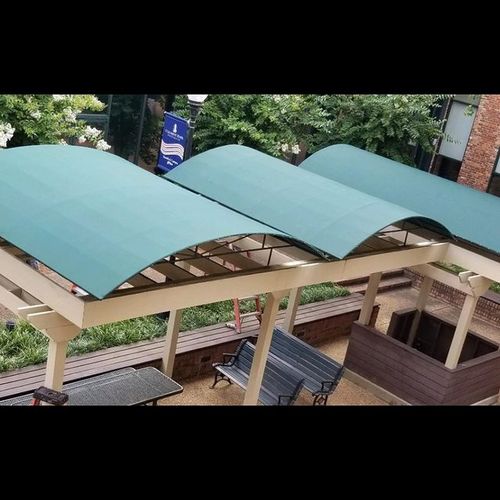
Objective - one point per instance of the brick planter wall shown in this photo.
(488, 306)
(199, 362)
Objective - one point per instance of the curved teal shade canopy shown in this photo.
(326, 214)
(98, 219)
(470, 215)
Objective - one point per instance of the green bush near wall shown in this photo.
(25, 346)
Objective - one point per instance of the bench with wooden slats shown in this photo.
(321, 373)
(27, 379)
(280, 384)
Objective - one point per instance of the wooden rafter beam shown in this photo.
(226, 254)
(243, 284)
(172, 272)
(140, 280)
(202, 263)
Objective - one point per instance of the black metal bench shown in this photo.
(281, 385)
(321, 373)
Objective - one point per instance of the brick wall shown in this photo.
(483, 144)
(199, 362)
(488, 306)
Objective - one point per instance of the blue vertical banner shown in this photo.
(173, 142)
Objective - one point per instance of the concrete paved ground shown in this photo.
(197, 391)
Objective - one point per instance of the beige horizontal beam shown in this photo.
(473, 262)
(213, 290)
(41, 287)
(48, 319)
(291, 252)
(26, 310)
(10, 300)
(172, 271)
(462, 257)
(8, 285)
(284, 254)
(442, 276)
(203, 264)
(228, 255)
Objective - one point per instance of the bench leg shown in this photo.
(320, 399)
(218, 378)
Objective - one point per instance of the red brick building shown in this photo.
(469, 153)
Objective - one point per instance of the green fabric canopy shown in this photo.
(323, 213)
(98, 219)
(469, 214)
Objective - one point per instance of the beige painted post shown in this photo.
(369, 300)
(174, 322)
(54, 373)
(461, 331)
(291, 311)
(478, 285)
(262, 348)
(425, 289)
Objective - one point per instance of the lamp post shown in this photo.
(195, 102)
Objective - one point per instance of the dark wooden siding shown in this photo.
(416, 377)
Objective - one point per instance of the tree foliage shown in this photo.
(282, 124)
(47, 119)
(388, 125)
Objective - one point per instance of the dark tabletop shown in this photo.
(127, 387)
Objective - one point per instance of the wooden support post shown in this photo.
(291, 311)
(479, 285)
(425, 289)
(369, 300)
(262, 348)
(168, 360)
(461, 331)
(54, 374)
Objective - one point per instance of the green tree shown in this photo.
(47, 119)
(389, 125)
(274, 124)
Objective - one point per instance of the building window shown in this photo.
(494, 186)
(461, 114)
(457, 130)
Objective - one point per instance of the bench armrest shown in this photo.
(281, 399)
(328, 386)
(291, 398)
(228, 359)
(228, 356)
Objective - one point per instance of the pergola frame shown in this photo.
(239, 266)
(201, 239)
(61, 315)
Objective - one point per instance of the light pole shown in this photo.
(195, 102)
